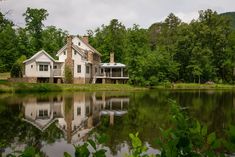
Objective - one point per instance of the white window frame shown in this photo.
(43, 67)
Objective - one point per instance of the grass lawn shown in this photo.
(10, 87)
(4, 76)
(196, 86)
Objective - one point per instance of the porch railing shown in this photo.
(57, 72)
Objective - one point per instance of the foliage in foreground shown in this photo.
(93, 147)
(28, 152)
(187, 137)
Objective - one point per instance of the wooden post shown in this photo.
(103, 80)
(111, 118)
(111, 71)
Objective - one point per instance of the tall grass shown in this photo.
(4, 76)
(50, 87)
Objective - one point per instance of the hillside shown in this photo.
(232, 16)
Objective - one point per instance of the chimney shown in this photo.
(69, 46)
(69, 60)
(111, 57)
(85, 39)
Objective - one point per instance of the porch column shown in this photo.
(103, 80)
(121, 72)
(121, 104)
(104, 72)
(59, 80)
(51, 80)
(111, 118)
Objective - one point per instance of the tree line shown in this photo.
(172, 51)
(23, 42)
(168, 51)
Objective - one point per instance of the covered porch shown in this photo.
(112, 73)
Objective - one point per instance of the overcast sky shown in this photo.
(77, 16)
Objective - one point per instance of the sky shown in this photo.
(78, 16)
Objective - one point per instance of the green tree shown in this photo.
(110, 38)
(8, 42)
(53, 39)
(34, 24)
(17, 69)
(213, 34)
(24, 44)
(137, 48)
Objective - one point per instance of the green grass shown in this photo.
(4, 76)
(10, 87)
(196, 86)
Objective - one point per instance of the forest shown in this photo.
(168, 51)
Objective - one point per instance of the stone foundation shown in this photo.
(24, 79)
(87, 80)
(113, 81)
(80, 80)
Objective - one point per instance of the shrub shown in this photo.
(17, 69)
(68, 75)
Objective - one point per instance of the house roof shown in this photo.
(37, 54)
(112, 65)
(92, 48)
(79, 50)
(40, 124)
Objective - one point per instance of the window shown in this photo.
(43, 67)
(87, 110)
(79, 43)
(64, 53)
(31, 66)
(78, 68)
(96, 70)
(43, 113)
(55, 66)
(87, 69)
(79, 111)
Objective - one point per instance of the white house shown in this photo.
(81, 58)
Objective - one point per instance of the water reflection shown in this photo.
(53, 122)
(75, 115)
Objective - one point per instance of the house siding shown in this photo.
(32, 67)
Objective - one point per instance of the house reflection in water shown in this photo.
(75, 114)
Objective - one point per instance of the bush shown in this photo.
(68, 75)
(17, 69)
(153, 81)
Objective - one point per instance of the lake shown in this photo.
(54, 122)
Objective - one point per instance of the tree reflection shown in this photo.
(37, 120)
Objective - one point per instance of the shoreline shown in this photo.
(12, 87)
(194, 86)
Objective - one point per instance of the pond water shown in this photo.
(54, 122)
